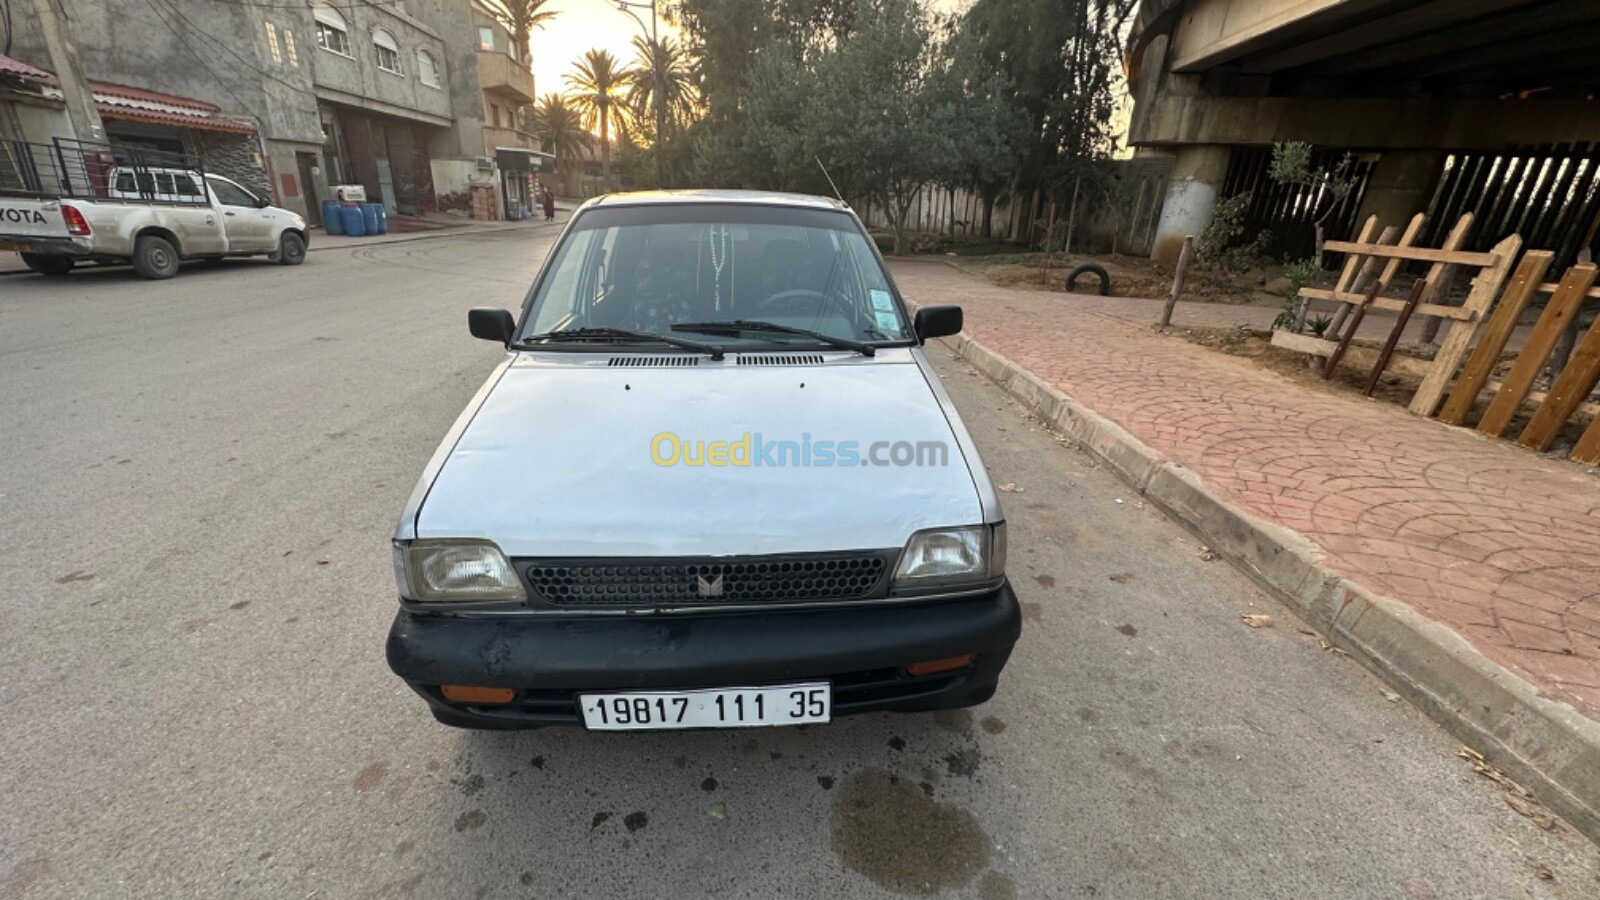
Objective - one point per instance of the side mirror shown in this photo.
(262, 203)
(937, 321)
(491, 324)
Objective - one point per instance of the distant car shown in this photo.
(714, 483)
(154, 218)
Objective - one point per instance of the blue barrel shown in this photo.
(383, 219)
(332, 219)
(369, 214)
(355, 224)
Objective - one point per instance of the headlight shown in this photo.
(944, 555)
(435, 571)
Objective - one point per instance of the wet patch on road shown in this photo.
(470, 820)
(903, 840)
(995, 886)
(370, 777)
(826, 781)
(709, 785)
(599, 819)
(1128, 630)
(1045, 581)
(635, 820)
(1032, 612)
(897, 743)
(963, 762)
(958, 721)
(993, 725)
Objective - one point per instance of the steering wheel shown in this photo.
(657, 312)
(796, 302)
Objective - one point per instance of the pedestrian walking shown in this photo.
(549, 205)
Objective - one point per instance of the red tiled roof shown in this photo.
(205, 123)
(11, 66)
(104, 89)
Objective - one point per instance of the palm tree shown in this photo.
(561, 133)
(521, 17)
(595, 88)
(679, 96)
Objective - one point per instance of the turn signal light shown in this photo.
(467, 693)
(935, 666)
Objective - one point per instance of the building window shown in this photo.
(427, 69)
(494, 114)
(332, 33)
(387, 50)
(272, 43)
(485, 38)
(288, 48)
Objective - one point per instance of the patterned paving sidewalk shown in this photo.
(1499, 544)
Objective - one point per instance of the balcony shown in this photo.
(498, 73)
(506, 137)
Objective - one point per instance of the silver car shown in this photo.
(714, 483)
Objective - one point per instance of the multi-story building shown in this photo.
(506, 78)
(381, 93)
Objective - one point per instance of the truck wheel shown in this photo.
(291, 249)
(47, 265)
(155, 257)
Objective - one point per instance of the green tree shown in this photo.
(521, 17)
(597, 89)
(680, 94)
(561, 132)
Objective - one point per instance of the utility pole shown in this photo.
(57, 31)
(655, 77)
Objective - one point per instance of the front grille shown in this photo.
(656, 583)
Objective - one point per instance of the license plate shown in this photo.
(789, 704)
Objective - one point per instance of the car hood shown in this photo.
(557, 460)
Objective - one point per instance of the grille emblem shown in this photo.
(708, 587)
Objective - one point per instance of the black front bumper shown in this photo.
(862, 652)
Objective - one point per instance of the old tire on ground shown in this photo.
(155, 257)
(47, 265)
(1098, 271)
(291, 249)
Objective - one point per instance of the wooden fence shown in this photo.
(1480, 328)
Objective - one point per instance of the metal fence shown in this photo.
(98, 171)
(1285, 212)
(1548, 194)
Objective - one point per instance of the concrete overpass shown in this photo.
(1405, 81)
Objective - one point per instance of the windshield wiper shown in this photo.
(734, 326)
(621, 334)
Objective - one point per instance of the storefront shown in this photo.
(520, 170)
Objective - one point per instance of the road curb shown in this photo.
(1547, 746)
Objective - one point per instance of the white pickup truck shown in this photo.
(152, 217)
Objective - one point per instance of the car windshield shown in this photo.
(647, 268)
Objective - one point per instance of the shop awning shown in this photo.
(120, 101)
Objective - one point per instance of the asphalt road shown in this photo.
(200, 478)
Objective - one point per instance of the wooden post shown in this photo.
(1177, 281)
(1394, 336)
(1578, 378)
(1480, 365)
(1355, 325)
(1563, 306)
(1049, 249)
(1485, 288)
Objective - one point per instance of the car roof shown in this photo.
(706, 195)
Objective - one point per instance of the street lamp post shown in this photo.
(655, 74)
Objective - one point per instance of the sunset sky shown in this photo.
(586, 24)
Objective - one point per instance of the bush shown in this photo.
(1215, 247)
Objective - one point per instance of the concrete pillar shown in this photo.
(1191, 202)
(1401, 185)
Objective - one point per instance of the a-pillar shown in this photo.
(1191, 202)
(1401, 185)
